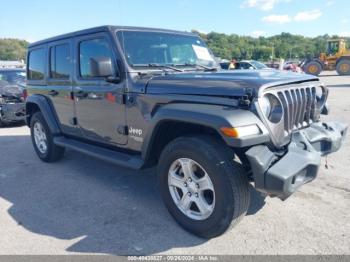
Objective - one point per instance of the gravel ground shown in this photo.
(83, 205)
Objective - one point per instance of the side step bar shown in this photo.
(114, 157)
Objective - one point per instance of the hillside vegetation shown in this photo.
(225, 46)
(284, 46)
(13, 49)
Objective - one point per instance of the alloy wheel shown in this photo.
(191, 189)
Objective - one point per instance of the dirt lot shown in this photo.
(83, 205)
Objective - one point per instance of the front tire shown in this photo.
(201, 186)
(42, 140)
(313, 68)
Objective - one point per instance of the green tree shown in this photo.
(13, 49)
(284, 45)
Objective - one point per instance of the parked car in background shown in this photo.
(225, 65)
(273, 65)
(250, 64)
(244, 64)
(12, 64)
(292, 66)
(12, 96)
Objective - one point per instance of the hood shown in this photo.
(14, 90)
(223, 83)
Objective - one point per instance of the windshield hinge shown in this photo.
(249, 93)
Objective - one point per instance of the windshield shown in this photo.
(149, 48)
(12, 77)
(258, 65)
(333, 47)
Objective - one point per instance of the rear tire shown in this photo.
(42, 140)
(343, 67)
(313, 68)
(228, 180)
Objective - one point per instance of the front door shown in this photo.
(100, 111)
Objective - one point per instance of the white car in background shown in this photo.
(251, 65)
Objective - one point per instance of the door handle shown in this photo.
(53, 93)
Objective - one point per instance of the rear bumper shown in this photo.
(282, 176)
(12, 112)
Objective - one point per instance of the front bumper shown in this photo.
(281, 176)
(12, 112)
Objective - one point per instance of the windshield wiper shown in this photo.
(206, 68)
(158, 66)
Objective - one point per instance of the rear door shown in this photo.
(59, 83)
(100, 110)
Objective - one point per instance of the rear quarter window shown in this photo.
(36, 64)
(60, 65)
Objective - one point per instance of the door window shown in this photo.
(245, 66)
(36, 64)
(60, 64)
(333, 48)
(91, 50)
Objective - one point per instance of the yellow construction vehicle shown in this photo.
(337, 58)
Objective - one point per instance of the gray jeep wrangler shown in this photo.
(141, 97)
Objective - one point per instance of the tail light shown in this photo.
(24, 94)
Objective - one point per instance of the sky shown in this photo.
(34, 20)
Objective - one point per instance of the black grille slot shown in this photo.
(299, 106)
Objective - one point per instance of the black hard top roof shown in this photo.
(105, 28)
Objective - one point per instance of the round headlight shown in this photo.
(265, 106)
(274, 110)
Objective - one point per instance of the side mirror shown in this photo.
(251, 68)
(101, 67)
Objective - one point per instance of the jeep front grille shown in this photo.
(301, 107)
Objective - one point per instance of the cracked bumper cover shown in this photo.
(282, 176)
